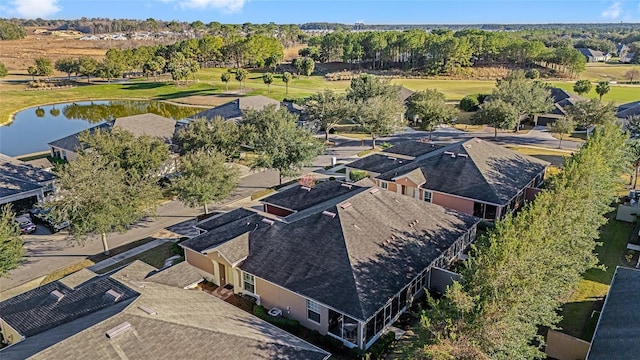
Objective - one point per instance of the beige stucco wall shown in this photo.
(565, 347)
(9, 334)
(452, 202)
(71, 155)
(292, 305)
(201, 262)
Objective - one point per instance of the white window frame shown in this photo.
(427, 195)
(248, 279)
(314, 307)
(384, 185)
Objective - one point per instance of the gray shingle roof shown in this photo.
(412, 148)
(355, 261)
(234, 109)
(224, 218)
(628, 112)
(378, 163)
(37, 310)
(489, 172)
(230, 225)
(11, 186)
(187, 324)
(629, 105)
(590, 52)
(617, 335)
(180, 275)
(78, 278)
(405, 93)
(20, 170)
(72, 143)
(298, 198)
(148, 124)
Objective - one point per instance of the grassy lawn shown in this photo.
(555, 157)
(154, 257)
(610, 72)
(577, 312)
(619, 94)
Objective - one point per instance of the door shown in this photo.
(223, 275)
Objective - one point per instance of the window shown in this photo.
(249, 282)
(428, 196)
(383, 184)
(313, 311)
(64, 155)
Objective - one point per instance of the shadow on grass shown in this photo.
(580, 318)
(186, 93)
(119, 250)
(556, 160)
(144, 86)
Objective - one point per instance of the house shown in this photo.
(594, 55)
(624, 53)
(342, 259)
(474, 176)
(617, 334)
(138, 312)
(233, 110)
(561, 100)
(149, 124)
(21, 184)
(628, 110)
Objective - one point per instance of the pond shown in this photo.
(33, 128)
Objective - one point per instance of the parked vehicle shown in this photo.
(25, 223)
(44, 216)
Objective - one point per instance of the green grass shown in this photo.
(610, 72)
(619, 94)
(577, 312)
(154, 257)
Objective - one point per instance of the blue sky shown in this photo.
(345, 11)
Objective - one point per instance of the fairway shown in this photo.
(608, 72)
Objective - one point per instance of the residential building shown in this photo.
(233, 110)
(561, 100)
(21, 184)
(474, 176)
(617, 334)
(149, 124)
(138, 312)
(594, 55)
(628, 110)
(342, 259)
(624, 53)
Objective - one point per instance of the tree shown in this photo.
(241, 75)
(87, 66)
(32, 71)
(297, 64)
(11, 243)
(633, 126)
(379, 116)
(367, 86)
(561, 127)
(308, 65)
(632, 74)
(602, 88)
(3, 70)
(582, 87)
(154, 66)
(267, 78)
(526, 96)
(429, 108)
(216, 135)
(633, 149)
(591, 112)
(109, 69)
(225, 77)
(497, 113)
(67, 66)
(204, 178)
(327, 109)
(272, 62)
(470, 103)
(286, 78)
(278, 142)
(181, 68)
(97, 197)
(43, 67)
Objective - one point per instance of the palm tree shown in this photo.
(286, 77)
(225, 77)
(241, 74)
(267, 78)
(602, 88)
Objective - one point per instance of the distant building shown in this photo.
(561, 100)
(594, 55)
(233, 110)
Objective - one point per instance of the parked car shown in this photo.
(25, 223)
(44, 216)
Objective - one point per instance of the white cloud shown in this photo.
(229, 6)
(613, 11)
(31, 9)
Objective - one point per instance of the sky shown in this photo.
(344, 11)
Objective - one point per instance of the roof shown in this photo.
(147, 124)
(629, 105)
(181, 275)
(11, 186)
(300, 197)
(412, 148)
(617, 334)
(486, 172)
(234, 109)
(231, 225)
(353, 258)
(72, 143)
(37, 310)
(591, 53)
(405, 93)
(78, 278)
(215, 222)
(164, 325)
(634, 111)
(14, 168)
(393, 157)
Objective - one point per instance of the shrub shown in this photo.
(385, 145)
(357, 175)
(532, 74)
(289, 325)
(470, 103)
(381, 347)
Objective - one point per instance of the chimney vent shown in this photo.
(345, 205)
(149, 311)
(449, 153)
(114, 294)
(463, 155)
(268, 221)
(118, 330)
(329, 213)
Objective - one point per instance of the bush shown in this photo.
(470, 103)
(283, 323)
(385, 145)
(532, 74)
(357, 175)
(381, 347)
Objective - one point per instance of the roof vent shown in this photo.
(149, 311)
(114, 294)
(268, 221)
(345, 205)
(57, 294)
(118, 330)
(391, 158)
(449, 153)
(374, 190)
(453, 156)
(463, 155)
(136, 283)
(329, 213)
(478, 141)
(348, 186)
(356, 226)
(305, 188)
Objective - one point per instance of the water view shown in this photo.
(33, 128)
